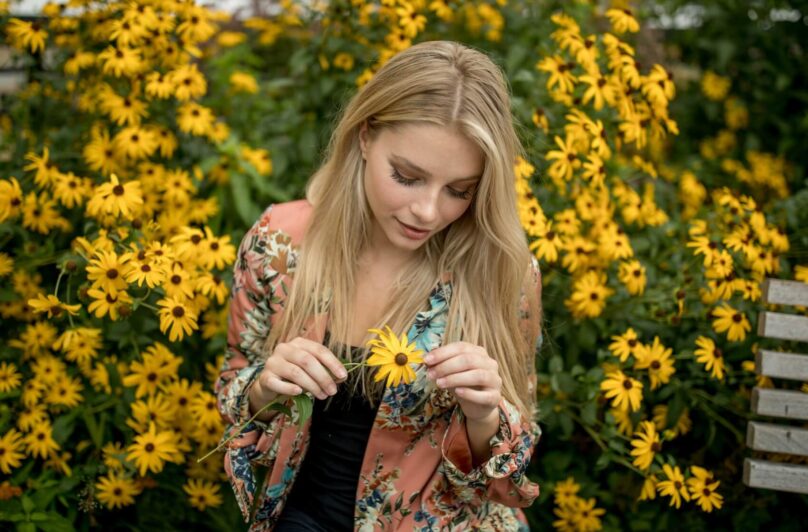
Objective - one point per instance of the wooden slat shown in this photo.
(780, 403)
(783, 326)
(775, 476)
(792, 366)
(780, 292)
(777, 438)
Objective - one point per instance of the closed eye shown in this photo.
(460, 194)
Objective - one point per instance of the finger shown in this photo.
(445, 352)
(297, 375)
(476, 377)
(489, 398)
(326, 357)
(270, 381)
(456, 364)
(315, 369)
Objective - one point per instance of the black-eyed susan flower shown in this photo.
(146, 376)
(632, 275)
(50, 305)
(155, 409)
(178, 316)
(11, 198)
(204, 409)
(218, 252)
(39, 214)
(116, 198)
(65, 391)
(39, 442)
(188, 82)
(589, 294)
(136, 142)
(565, 490)
(121, 61)
(702, 487)
(711, 356)
(107, 303)
(116, 490)
(624, 391)
(657, 359)
(623, 20)
(152, 449)
(680, 426)
(195, 119)
(648, 491)
(10, 378)
(11, 455)
(100, 153)
(394, 357)
(715, 87)
(107, 271)
(625, 345)
(243, 82)
(733, 322)
(646, 444)
(202, 494)
(26, 35)
(673, 486)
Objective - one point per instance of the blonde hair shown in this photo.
(447, 84)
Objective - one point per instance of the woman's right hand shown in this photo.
(294, 367)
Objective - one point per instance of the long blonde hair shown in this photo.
(447, 84)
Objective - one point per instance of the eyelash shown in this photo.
(466, 194)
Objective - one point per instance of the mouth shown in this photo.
(414, 233)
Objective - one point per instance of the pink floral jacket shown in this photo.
(417, 471)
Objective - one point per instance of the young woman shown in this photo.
(411, 222)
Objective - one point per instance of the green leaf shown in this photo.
(305, 406)
(26, 527)
(589, 413)
(246, 208)
(27, 504)
(556, 364)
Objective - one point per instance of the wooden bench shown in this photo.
(788, 404)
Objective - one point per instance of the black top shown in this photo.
(323, 496)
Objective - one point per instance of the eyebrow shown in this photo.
(417, 169)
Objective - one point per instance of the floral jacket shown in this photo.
(417, 471)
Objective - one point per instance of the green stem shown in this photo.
(240, 429)
(58, 281)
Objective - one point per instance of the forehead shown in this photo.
(439, 151)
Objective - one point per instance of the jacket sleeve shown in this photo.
(502, 478)
(249, 322)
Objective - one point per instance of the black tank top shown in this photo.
(323, 496)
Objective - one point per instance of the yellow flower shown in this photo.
(202, 493)
(681, 426)
(734, 323)
(715, 87)
(152, 449)
(195, 119)
(64, 391)
(646, 444)
(656, 358)
(565, 491)
(648, 492)
(625, 344)
(702, 487)
(116, 199)
(674, 487)
(116, 490)
(243, 82)
(625, 392)
(188, 82)
(711, 356)
(632, 275)
(589, 294)
(11, 445)
(39, 442)
(623, 20)
(11, 198)
(177, 315)
(24, 34)
(108, 270)
(10, 378)
(394, 357)
(51, 305)
(106, 302)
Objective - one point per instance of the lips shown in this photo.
(418, 229)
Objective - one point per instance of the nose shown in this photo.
(425, 207)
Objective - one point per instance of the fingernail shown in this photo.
(428, 359)
(321, 396)
(342, 374)
(332, 390)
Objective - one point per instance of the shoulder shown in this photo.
(291, 217)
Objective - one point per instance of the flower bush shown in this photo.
(150, 134)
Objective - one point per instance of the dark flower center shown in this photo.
(401, 359)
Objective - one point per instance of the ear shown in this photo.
(363, 133)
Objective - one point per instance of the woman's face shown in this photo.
(418, 179)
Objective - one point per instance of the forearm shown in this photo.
(480, 433)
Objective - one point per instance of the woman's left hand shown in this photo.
(471, 373)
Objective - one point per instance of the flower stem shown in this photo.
(239, 430)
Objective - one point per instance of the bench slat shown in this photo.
(777, 438)
(783, 326)
(775, 476)
(780, 403)
(793, 366)
(780, 292)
